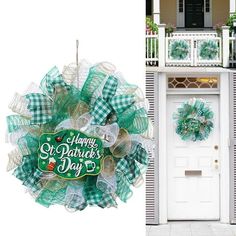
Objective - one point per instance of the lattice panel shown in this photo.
(192, 82)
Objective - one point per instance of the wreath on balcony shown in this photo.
(194, 120)
(79, 142)
(179, 50)
(208, 50)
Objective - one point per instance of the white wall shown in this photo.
(36, 35)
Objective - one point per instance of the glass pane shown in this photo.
(192, 82)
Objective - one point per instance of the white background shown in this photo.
(34, 36)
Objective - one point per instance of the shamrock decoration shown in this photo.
(194, 120)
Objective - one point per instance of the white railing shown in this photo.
(232, 50)
(151, 48)
(195, 34)
(193, 50)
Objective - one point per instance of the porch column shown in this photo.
(225, 51)
(156, 11)
(232, 6)
(161, 45)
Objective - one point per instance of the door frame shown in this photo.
(223, 143)
(180, 16)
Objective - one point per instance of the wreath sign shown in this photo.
(208, 50)
(194, 120)
(179, 50)
(79, 145)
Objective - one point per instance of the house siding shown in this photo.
(220, 12)
(168, 11)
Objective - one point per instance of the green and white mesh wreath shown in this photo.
(179, 50)
(194, 120)
(81, 138)
(208, 50)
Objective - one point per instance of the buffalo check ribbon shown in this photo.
(28, 173)
(95, 196)
(129, 165)
(41, 105)
(108, 102)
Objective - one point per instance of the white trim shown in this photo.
(207, 15)
(224, 150)
(156, 11)
(232, 6)
(162, 149)
(180, 16)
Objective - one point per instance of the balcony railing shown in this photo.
(191, 48)
(151, 48)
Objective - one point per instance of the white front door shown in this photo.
(194, 196)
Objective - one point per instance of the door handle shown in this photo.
(216, 147)
(216, 164)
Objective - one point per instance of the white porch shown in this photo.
(156, 11)
(192, 228)
(191, 48)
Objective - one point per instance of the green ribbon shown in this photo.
(108, 102)
(41, 105)
(123, 190)
(95, 196)
(16, 122)
(28, 173)
(48, 197)
(129, 164)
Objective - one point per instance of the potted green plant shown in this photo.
(170, 29)
(218, 28)
(230, 22)
(151, 26)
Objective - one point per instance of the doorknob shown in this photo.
(216, 147)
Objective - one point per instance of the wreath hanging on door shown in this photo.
(194, 120)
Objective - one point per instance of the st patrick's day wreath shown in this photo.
(194, 120)
(81, 138)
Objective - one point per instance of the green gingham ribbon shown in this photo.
(123, 190)
(28, 173)
(40, 105)
(129, 165)
(53, 83)
(108, 102)
(95, 196)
